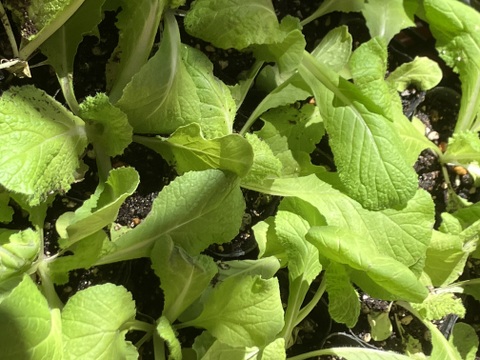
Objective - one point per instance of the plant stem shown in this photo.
(307, 309)
(66, 84)
(8, 30)
(47, 287)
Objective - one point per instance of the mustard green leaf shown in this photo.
(287, 51)
(177, 87)
(85, 253)
(29, 329)
(61, 47)
(18, 250)
(421, 72)
(233, 23)
(387, 19)
(207, 347)
(196, 210)
(243, 312)
(100, 210)
(437, 306)
(372, 166)
(346, 247)
(463, 148)
(94, 323)
(107, 126)
(343, 301)
(183, 278)
(6, 211)
(454, 26)
(446, 258)
(403, 234)
(166, 332)
(33, 162)
(358, 353)
(465, 339)
(137, 24)
(266, 267)
(329, 6)
(335, 49)
(188, 150)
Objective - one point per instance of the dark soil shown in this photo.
(437, 109)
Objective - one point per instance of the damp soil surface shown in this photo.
(437, 109)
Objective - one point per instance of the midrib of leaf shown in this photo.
(467, 118)
(180, 298)
(201, 152)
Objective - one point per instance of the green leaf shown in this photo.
(463, 148)
(6, 211)
(343, 301)
(403, 234)
(302, 127)
(38, 163)
(166, 332)
(85, 253)
(196, 209)
(18, 250)
(287, 51)
(422, 72)
(265, 164)
(100, 210)
(442, 348)
(437, 306)
(368, 153)
(335, 49)
(208, 348)
(454, 26)
(29, 329)
(446, 258)
(137, 24)
(243, 312)
(266, 267)
(302, 256)
(346, 247)
(465, 339)
(94, 323)
(107, 126)
(233, 23)
(176, 87)
(183, 278)
(357, 353)
(380, 325)
(188, 150)
(386, 19)
(61, 47)
(329, 6)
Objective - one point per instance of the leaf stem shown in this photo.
(48, 30)
(307, 309)
(66, 84)
(8, 30)
(47, 286)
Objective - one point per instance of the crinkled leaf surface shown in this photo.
(463, 148)
(233, 23)
(166, 332)
(188, 150)
(93, 323)
(437, 306)
(243, 312)
(100, 210)
(368, 152)
(40, 143)
(345, 247)
(386, 19)
(18, 250)
(108, 128)
(265, 164)
(197, 209)
(29, 329)
(183, 278)
(176, 87)
(343, 301)
(137, 24)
